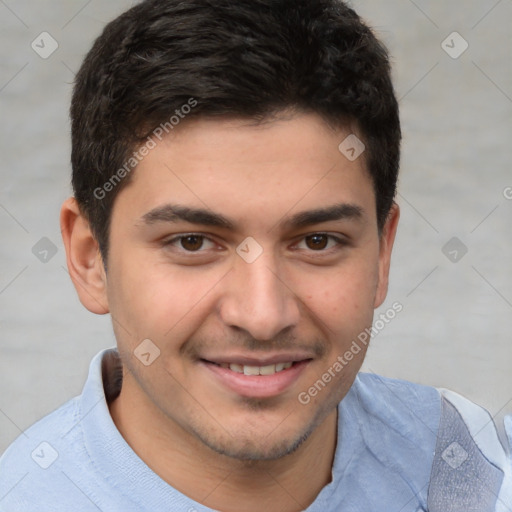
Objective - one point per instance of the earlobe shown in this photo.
(387, 239)
(83, 257)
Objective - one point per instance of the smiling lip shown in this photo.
(256, 378)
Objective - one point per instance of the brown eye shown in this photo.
(192, 242)
(189, 243)
(317, 241)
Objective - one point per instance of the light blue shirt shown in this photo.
(401, 447)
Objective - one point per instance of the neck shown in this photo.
(289, 484)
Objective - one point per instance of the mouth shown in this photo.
(269, 369)
(263, 380)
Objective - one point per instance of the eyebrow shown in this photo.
(176, 213)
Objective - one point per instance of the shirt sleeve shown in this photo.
(471, 468)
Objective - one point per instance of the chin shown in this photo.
(251, 442)
(256, 449)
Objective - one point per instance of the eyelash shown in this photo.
(339, 241)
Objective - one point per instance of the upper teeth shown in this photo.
(257, 370)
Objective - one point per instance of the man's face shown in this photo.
(285, 269)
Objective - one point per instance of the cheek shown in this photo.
(159, 302)
(344, 296)
(138, 296)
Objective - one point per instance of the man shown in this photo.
(234, 170)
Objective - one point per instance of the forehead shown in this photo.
(248, 170)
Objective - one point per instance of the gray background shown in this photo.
(455, 329)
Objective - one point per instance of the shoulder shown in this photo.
(43, 465)
(471, 467)
(448, 441)
(30, 463)
(440, 442)
(51, 428)
(398, 423)
(399, 403)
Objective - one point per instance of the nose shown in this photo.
(258, 299)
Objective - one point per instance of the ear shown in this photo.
(85, 264)
(387, 239)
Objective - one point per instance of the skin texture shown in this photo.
(303, 296)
